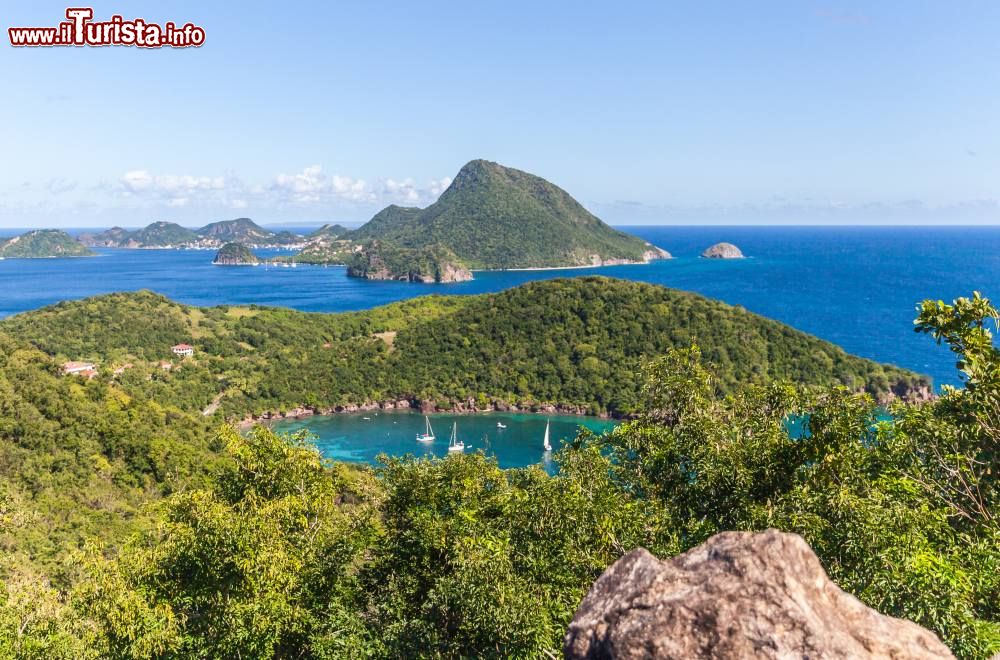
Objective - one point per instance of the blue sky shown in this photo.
(656, 113)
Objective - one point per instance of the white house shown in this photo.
(183, 350)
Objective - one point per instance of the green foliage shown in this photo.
(78, 460)
(576, 342)
(42, 243)
(240, 571)
(498, 217)
(37, 622)
(270, 551)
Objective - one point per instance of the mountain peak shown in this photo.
(497, 217)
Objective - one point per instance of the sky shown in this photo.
(704, 112)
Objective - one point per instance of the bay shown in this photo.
(361, 437)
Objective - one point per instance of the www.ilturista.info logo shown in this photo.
(81, 30)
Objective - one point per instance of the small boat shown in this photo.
(428, 434)
(454, 444)
(367, 419)
(545, 442)
(501, 425)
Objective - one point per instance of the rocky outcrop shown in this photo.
(379, 260)
(918, 392)
(738, 595)
(451, 272)
(723, 251)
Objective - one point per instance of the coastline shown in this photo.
(427, 407)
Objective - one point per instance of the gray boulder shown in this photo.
(738, 595)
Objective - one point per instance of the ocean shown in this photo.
(857, 287)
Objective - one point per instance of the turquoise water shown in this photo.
(854, 286)
(361, 437)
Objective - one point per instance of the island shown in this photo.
(235, 254)
(386, 261)
(43, 244)
(170, 235)
(498, 218)
(723, 251)
(329, 231)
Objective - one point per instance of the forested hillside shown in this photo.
(496, 217)
(577, 343)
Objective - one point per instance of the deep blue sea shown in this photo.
(855, 286)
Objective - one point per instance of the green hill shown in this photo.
(234, 254)
(162, 234)
(240, 230)
(577, 343)
(496, 217)
(114, 237)
(42, 243)
(329, 231)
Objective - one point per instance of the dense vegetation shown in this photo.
(284, 555)
(496, 217)
(382, 260)
(577, 343)
(42, 243)
(79, 458)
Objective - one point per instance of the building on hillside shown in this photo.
(183, 350)
(166, 366)
(78, 368)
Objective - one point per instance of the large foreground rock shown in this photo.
(738, 595)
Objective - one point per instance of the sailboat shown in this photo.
(454, 444)
(428, 434)
(501, 425)
(545, 442)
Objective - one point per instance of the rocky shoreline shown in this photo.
(462, 407)
(471, 406)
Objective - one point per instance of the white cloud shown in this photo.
(312, 187)
(310, 190)
(174, 190)
(59, 185)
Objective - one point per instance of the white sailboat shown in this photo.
(501, 425)
(545, 442)
(454, 444)
(428, 434)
